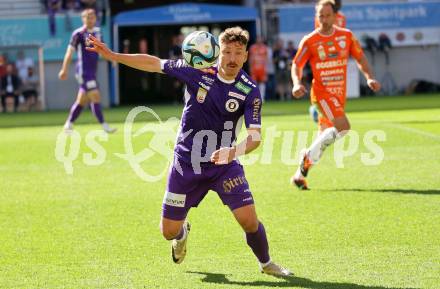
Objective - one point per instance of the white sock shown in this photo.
(326, 138)
(265, 264)
(183, 235)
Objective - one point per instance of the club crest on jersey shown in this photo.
(201, 95)
(231, 105)
(244, 88)
(342, 43)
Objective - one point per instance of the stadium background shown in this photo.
(413, 29)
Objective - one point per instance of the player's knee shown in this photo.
(249, 225)
(169, 233)
(343, 127)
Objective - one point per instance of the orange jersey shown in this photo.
(341, 21)
(328, 57)
(258, 57)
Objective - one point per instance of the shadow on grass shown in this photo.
(292, 281)
(397, 191)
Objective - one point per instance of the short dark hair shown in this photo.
(234, 34)
(327, 2)
(86, 11)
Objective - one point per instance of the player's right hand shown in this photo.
(99, 47)
(62, 75)
(298, 90)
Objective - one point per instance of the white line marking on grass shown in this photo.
(414, 130)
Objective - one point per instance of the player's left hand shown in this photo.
(373, 84)
(223, 156)
(99, 47)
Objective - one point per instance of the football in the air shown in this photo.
(200, 49)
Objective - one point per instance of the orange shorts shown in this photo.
(259, 74)
(330, 107)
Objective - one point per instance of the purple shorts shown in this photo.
(188, 189)
(87, 84)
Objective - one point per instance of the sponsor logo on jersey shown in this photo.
(332, 48)
(174, 200)
(329, 43)
(201, 95)
(209, 80)
(247, 199)
(231, 183)
(342, 44)
(333, 55)
(244, 88)
(340, 38)
(256, 109)
(333, 78)
(331, 72)
(237, 95)
(231, 105)
(206, 87)
(331, 63)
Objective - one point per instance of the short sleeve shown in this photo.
(303, 54)
(179, 69)
(252, 109)
(74, 39)
(356, 49)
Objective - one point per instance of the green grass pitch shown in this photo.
(360, 227)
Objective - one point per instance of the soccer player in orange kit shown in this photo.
(328, 49)
(341, 21)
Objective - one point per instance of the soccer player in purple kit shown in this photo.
(216, 101)
(86, 67)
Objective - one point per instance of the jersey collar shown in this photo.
(224, 80)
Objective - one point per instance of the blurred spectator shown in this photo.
(29, 88)
(10, 84)
(22, 64)
(291, 50)
(175, 52)
(176, 48)
(53, 6)
(70, 6)
(126, 46)
(143, 45)
(281, 59)
(3, 62)
(258, 63)
(270, 68)
(88, 4)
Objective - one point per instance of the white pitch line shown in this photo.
(414, 130)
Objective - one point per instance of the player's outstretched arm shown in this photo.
(63, 74)
(298, 89)
(367, 72)
(143, 62)
(226, 155)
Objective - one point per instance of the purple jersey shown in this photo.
(87, 61)
(214, 110)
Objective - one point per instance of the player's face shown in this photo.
(326, 16)
(232, 57)
(89, 19)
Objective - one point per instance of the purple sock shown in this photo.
(96, 109)
(75, 111)
(258, 243)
